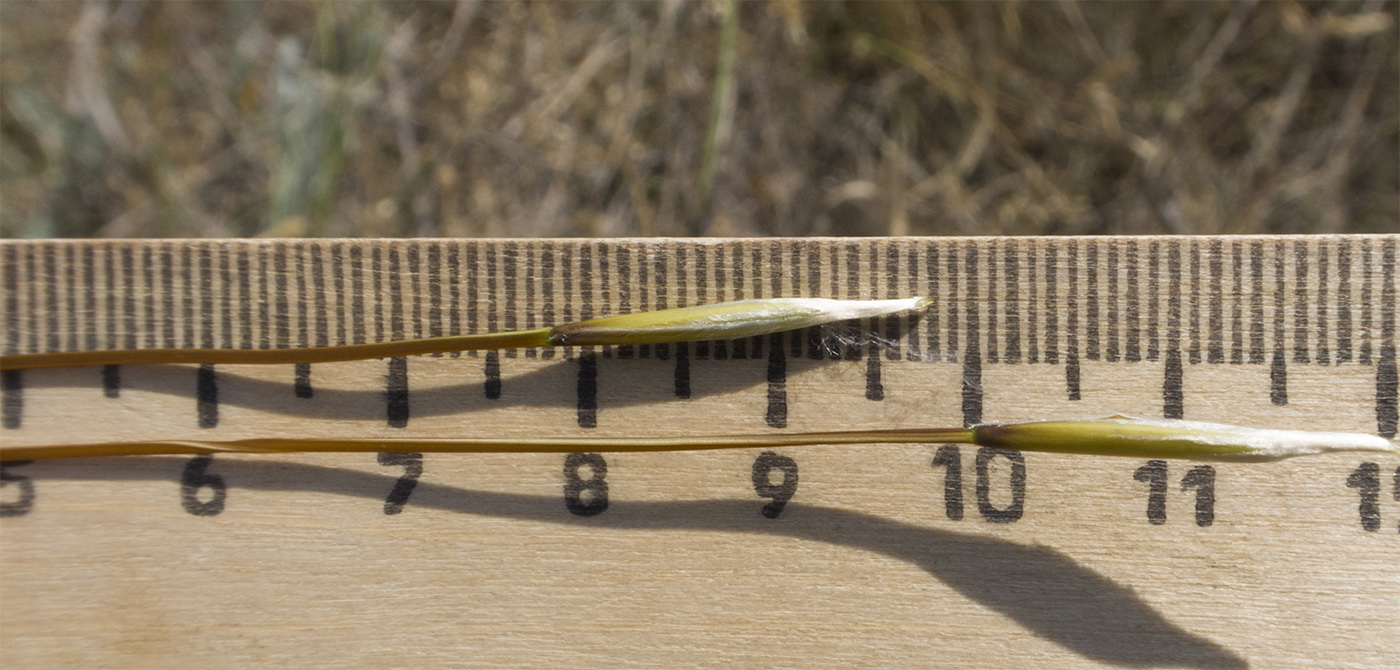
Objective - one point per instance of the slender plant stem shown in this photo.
(539, 337)
(743, 318)
(484, 445)
(1111, 436)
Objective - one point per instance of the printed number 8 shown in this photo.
(595, 486)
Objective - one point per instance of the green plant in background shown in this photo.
(314, 112)
(169, 118)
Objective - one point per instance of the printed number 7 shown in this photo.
(403, 488)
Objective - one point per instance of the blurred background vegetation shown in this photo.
(151, 118)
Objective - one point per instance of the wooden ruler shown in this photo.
(872, 556)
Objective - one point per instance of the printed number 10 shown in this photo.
(950, 458)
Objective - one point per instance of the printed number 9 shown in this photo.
(781, 492)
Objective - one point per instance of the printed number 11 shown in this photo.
(1366, 479)
(1201, 478)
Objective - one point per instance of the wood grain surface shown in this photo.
(866, 556)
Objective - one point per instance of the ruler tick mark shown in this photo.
(149, 286)
(1387, 381)
(435, 291)
(129, 293)
(301, 385)
(567, 274)
(1237, 304)
(454, 293)
(1215, 351)
(874, 387)
(109, 269)
(357, 294)
(282, 321)
(1154, 276)
(12, 402)
(1113, 347)
(1256, 302)
(851, 349)
(1012, 271)
(111, 381)
(70, 291)
(991, 303)
(472, 269)
(682, 375)
(1091, 302)
(1032, 306)
(396, 296)
(1300, 302)
(701, 348)
(950, 349)
(1367, 277)
(1052, 305)
(892, 324)
(1324, 353)
(206, 298)
(492, 369)
(338, 275)
(1133, 348)
(50, 254)
(1278, 378)
(587, 390)
(1072, 376)
(1194, 353)
(1173, 402)
(225, 294)
(206, 397)
(264, 302)
(11, 279)
(415, 293)
(972, 357)
(739, 348)
(510, 253)
(1388, 297)
(917, 333)
(776, 414)
(318, 288)
(1344, 349)
(1386, 375)
(396, 392)
(547, 291)
(663, 351)
(186, 298)
(814, 277)
(1072, 322)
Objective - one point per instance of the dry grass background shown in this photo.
(152, 118)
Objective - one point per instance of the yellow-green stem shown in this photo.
(481, 445)
(538, 337)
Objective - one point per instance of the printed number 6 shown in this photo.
(196, 478)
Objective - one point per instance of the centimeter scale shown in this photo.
(873, 555)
